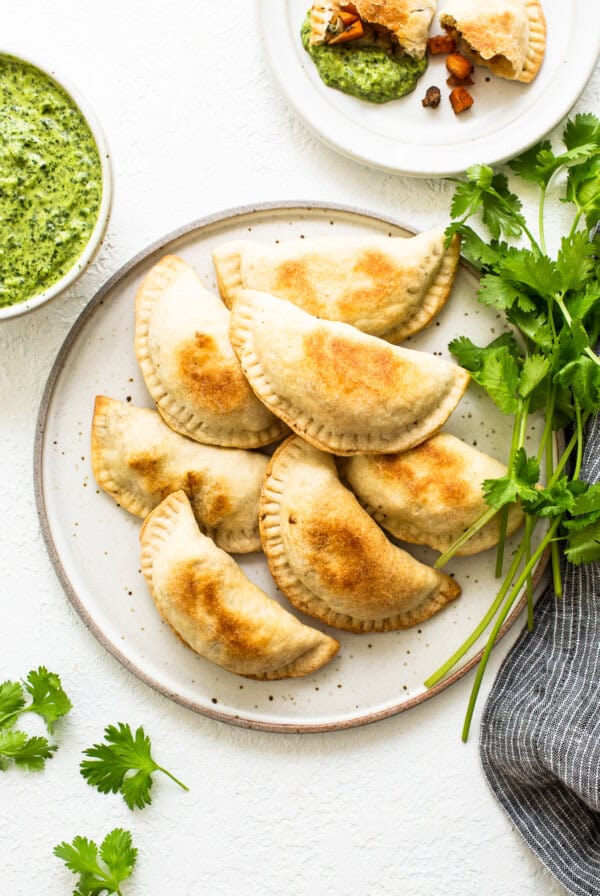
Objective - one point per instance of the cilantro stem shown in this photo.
(512, 596)
(541, 218)
(159, 768)
(462, 539)
(477, 632)
(579, 437)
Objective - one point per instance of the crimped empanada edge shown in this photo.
(227, 259)
(434, 299)
(536, 46)
(157, 527)
(128, 500)
(296, 592)
(176, 415)
(241, 339)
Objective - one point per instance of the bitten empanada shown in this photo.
(388, 287)
(406, 21)
(329, 557)
(430, 494)
(341, 390)
(506, 36)
(188, 364)
(138, 460)
(208, 601)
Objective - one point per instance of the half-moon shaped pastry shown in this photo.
(329, 557)
(430, 494)
(138, 460)
(506, 36)
(341, 390)
(188, 364)
(406, 21)
(388, 287)
(208, 601)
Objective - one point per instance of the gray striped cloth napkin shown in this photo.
(540, 734)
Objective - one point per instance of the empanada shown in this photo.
(329, 557)
(407, 21)
(188, 364)
(138, 460)
(208, 601)
(506, 36)
(430, 494)
(341, 390)
(388, 287)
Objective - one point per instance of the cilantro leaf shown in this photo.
(118, 856)
(531, 269)
(580, 304)
(530, 167)
(48, 697)
(25, 751)
(12, 702)
(583, 376)
(553, 501)
(519, 484)
(583, 189)
(123, 764)
(582, 130)
(575, 261)
(496, 292)
(536, 368)
(485, 256)
(588, 501)
(583, 543)
(495, 368)
(489, 194)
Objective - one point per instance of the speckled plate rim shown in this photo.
(63, 577)
(94, 242)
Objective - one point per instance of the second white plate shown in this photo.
(403, 137)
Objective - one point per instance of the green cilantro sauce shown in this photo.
(50, 182)
(369, 73)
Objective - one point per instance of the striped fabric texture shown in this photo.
(540, 734)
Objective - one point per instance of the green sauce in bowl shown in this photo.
(50, 182)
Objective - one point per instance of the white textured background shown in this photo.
(196, 124)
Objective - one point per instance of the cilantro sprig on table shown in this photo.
(100, 870)
(48, 700)
(124, 764)
(547, 362)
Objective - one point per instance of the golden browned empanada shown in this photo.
(138, 460)
(406, 21)
(208, 601)
(506, 36)
(190, 369)
(341, 390)
(430, 494)
(388, 287)
(331, 559)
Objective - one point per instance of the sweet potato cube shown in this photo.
(441, 44)
(459, 65)
(461, 100)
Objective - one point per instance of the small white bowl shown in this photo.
(99, 230)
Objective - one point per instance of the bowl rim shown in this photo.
(93, 244)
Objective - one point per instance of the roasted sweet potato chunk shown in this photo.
(453, 81)
(461, 100)
(459, 66)
(441, 44)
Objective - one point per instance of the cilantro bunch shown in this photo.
(40, 693)
(547, 361)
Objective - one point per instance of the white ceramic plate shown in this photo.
(94, 543)
(401, 135)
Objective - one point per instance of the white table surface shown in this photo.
(196, 124)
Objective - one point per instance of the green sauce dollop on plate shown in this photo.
(369, 73)
(50, 181)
